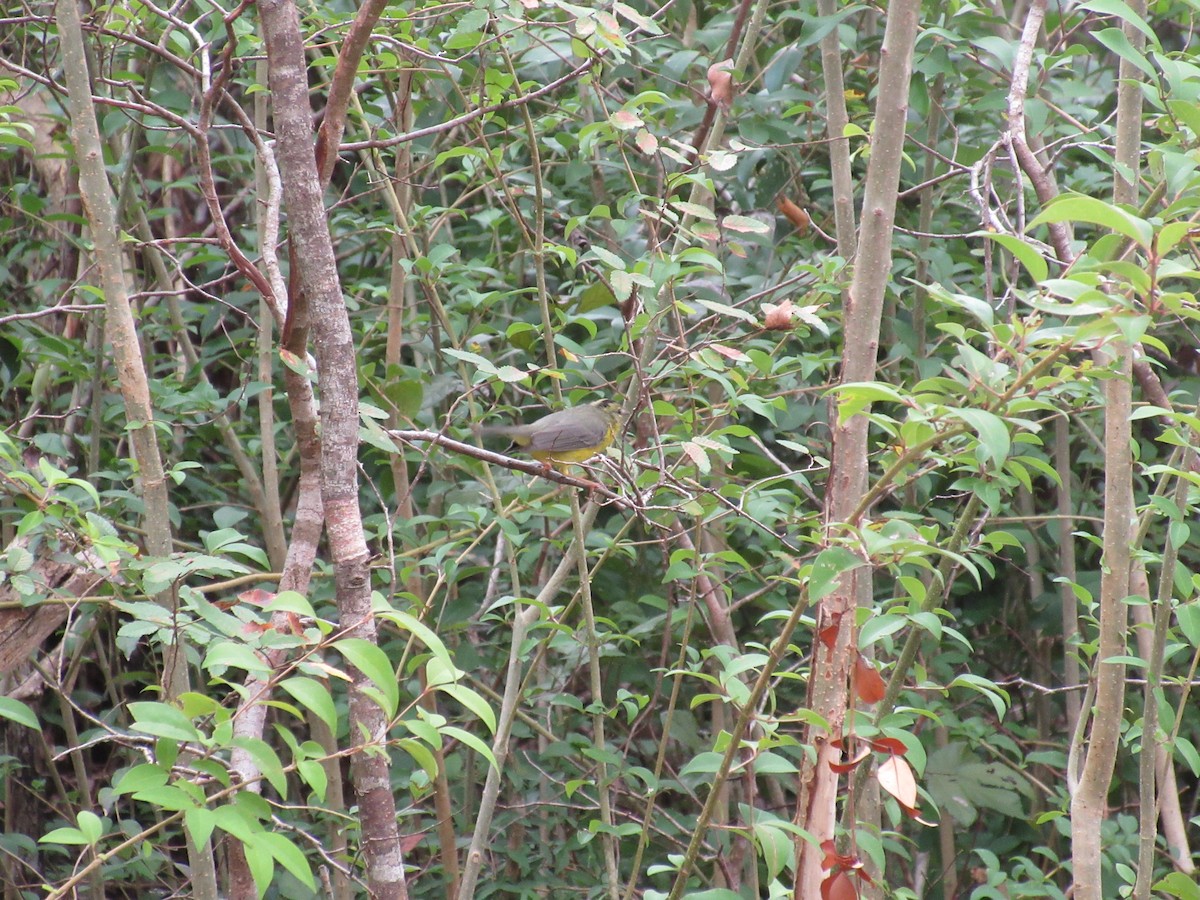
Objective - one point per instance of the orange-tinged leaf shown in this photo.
(868, 683)
(626, 120)
(794, 214)
(895, 776)
(745, 225)
(730, 352)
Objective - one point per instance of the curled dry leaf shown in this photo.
(852, 762)
(778, 316)
(794, 214)
(720, 83)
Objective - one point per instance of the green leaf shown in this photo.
(91, 826)
(1179, 886)
(287, 855)
(290, 601)
(228, 654)
(827, 569)
(237, 820)
(421, 631)
(173, 797)
(313, 774)
(1116, 41)
(472, 701)
(468, 33)
(1186, 751)
(162, 720)
(1171, 234)
(471, 741)
(775, 847)
(997, 696)
(199, 823)
(376, 668)
(314, 697)
(1125, 13)
(991, 432)
(266, 760)
(484, 366)
(64, 836)
(141, 778)
(1028, 256)
(856, 397)
(18, 712)
(1078, 208)
(421, 755)
(962, 784)
(1188, 617)
(261, 862)
(706, 763)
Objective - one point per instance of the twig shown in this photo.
(49, 311)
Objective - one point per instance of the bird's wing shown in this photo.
(574, 433)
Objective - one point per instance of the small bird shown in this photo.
(567, 436)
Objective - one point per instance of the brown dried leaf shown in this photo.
(778, 316)
(794, 214)
(720, 83)
(868, 683)
(896, 777)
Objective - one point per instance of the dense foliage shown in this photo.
(523, 221)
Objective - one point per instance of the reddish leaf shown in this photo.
(868, 683)
(257, 596)
(838, 886)
(409, 842)
(895, 746)
(850, 763)
(828, 634)
(829, 848)
(729, 352)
